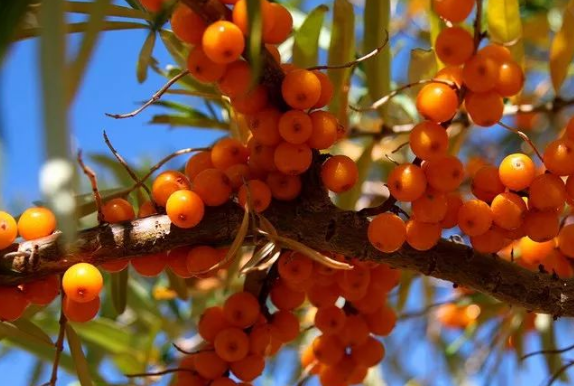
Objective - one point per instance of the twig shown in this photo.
(559, 372)
(426, 310)
(92, 176)
(371, 54)
(544, 352)
(523, 136)
(183, 351)
(59, 345)
(163, 372)
(477, 25)
(155, 97)
(400, 147)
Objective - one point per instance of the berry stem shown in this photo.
(59, 345)
(94, 182)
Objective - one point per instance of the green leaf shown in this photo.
(25, 330)
(28, 327)
(306, 39)
(378, 68)
(110, 10)
(422, 65)
(11, 13)
(119, 290)
(86, 205)
(341, 50)
(110, 336)
(407, 279)
(81, 27)
(175, 47)
(562, 49)
(548, 342)
(110, 163)
(177, 284)
(144, 59)
(503, 21)
(198, 120)
(348, 200)
(78, 355)
(254, 38)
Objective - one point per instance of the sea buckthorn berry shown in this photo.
(508, 210)
(292, 159)
(370, 353)
(570, 188)
(517, 171)
(430, 207)
(533, 252)
(510, 79)
(284, 187)
(566, 240)
(454, 46)
(328, 349)
(236, 80)
(202, 68)
(428, 140)
(547, 191)
(570, 129)
(118, 210)
(251, 102)
(153, 5)
(209, 365)
(339, 173)
(422, 236)
(42, 292)
(285, 326)
(387, 232)
(294, 267)
(223, 42)
(211, 322)
(198, 163)
(444, 174)
(8, 230)
(248, 368)
(80, 312)
(355, 332)
(36, 222)
(285, 297)
(177, 261)
(256, 193)
(480, 73)
(485, 108)
(202, 258)
(149, 265)
(13, 303)
(237, 174)
(452, 74)
(187, 25)
(407, 182)
(330, 319)
(301, 89)
(240, 17)
(227, 152)
(282, 24)
(486, 183)
(496, 52)
(295, 127)
(437, 102)
(323, 295)
(541, 226)
(327, 90)
(115, 266)
(223, 381)
(384, 277)
(324, 133)
(474, 217)
(354, 282)
(454, 202)
(274, 52)
(166, 184)
(262, 157)
(241, 309)
(264, 126)
(491, 241)
(559, 157)
(557, 262)
(231, 344)
(453, 10)
(213, 187)
(381, 322)
(82, 282)
(185, 209)
(146, 209)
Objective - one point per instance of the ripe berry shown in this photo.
(382, 322)
(301, 89)
(82, 282)
(328, 349)
(292, 159)
(491, 241)
(281, 26)
(251, 102)
(454, 46)
(474, 217)
(485, 108)
(547, 191)
(42, 292)
(370, 353)
(264, 126)
(198, 163)
(228, 152)
(480, 73)
(566, 240)
(209, 365)
(452, 74)
(231, 344)
(185, 209)
(36, 222)
(444, 174)
(430, 207)
(146, 209)
(508, 210)
(330, 319)
(177, 261)
(422, 236)
(285, 326)
(8, 230)
(187, 25)
(498, 53)
(240, 17)
(211, 322)
(437, 102)
(486, 183)
(295, 127)
(241, 309)
(236, 80)
(327, 90)
(510, 79)
(284, 187)
(149, 265)
(202, 68)
(559, 157)
(339, 173)
(294, 267)
(80, 312)
(428, 140)
(453, 10)
(166, 184)
(407, 182)
(237, 174)
(454, 202)
(201, 258)
(248, 368)
(213, 187)
(118, 210)
(13, 303)
(324, 133)
(517, 171)
(257, 193)
(285, 297)
(541, 226)
(387, 232)
(223, 42)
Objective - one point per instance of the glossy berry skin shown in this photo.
(81, 312)
(82, 283)
(437, 102)
(13, 303)
(187, 25)
(339, 173)
(8, 230)
(223, 42)
(185, 209)
(35, 223)
(118, 210)
(301, 89)
(166, 184)
(387, 232)
(42, 292)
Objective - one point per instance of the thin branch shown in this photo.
(559, 372)
(478, 35)
(426, 310)
(155, 97)
(544, 352)
(522, 136)
(158, 373)
(183, 351)
(93, 181)
(363, 58)
(59, 345)
(398, 148)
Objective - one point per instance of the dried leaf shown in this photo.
(312, 254)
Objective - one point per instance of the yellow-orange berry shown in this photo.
(42, 292)
(437, 102)
(13, 303)
(166, 184)
(533, 252)
(292, 159)
(237, 174)
(198, 163)
(202, 258)
(146, 209)
(444, 174)
(227, 152)
(407, 182)
(510, 79)
(517, 171)
(474, 217)
(324, 132)
(454, 202)
(327, 90)
(547, 191)
(301, 89)
(559, 157)
(213, 187)
(284, 187)
(241, 309)
(454, 46)
(485, 108)
(508, 210)
(185, 209)
(202, 68)
(295, 126)
(187, 25)
(428, 140)
(453, 10)
(236, 80)
(339, 173)
(256, 193)
(251, 102)
(80, 312)
(149, 265)
(36, 222)
(490, 241)
(8, 230)
(422, 236)
(118, 210)
(541, 226)
(223, 42)
(82, 282)
(240, 17)
(452, 74)
(496, 52)
(264, 126)
(281, 26)
(387, 232)
(430, 207)
(486, 183)
(566, 240)
(480, 73)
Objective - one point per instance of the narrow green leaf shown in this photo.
(81, 27)
(254, 38)
(37, 372)
(562, 49)
(110, 336)
(341, 50)
(119, 290)
(16, 332)
(378, 68)
(78, 355)
(110, 10)
(177, 284)
(144, 59)
(548, 342)
(407, 279)
(503, 21)
(422, 65)
(306, 39)
(11, 13)
(348, 200)
(186, 120)
(27, 326)
(175, 47)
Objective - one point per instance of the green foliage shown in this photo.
(306, 39)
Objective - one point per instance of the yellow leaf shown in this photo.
(562, 49)
(503, 19)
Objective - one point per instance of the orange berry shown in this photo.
(358, 375)
(517, 171)
(437, 102)
(274, 52)
(533, 252)
(566, 240)
(42, 292)
(13, 303)
(202, 68)
(430, 207)
(257, 194)
(237, 174)
(292, 159)
(510, 79)
(149, 265)
(241, 309)
(454, 202)
(187, 25)
(452, 74)
(228, 152)
(480, 73)
(202, 258)
(198, 163)
(324, 132)
(231, 344)
(385, 278)
(428, 140)
(251, 102)
(327, 90)
(35, 223)
(308, 361)
(559, 157)
(339, 173)
(284, 187)
(146, 209)
(260, 339)
(330, 319)
(301, 89)
(118, 210)
(508, 210)
(236, 80)
(485, 108)
(454, 46)
(211, 322)
(444, 174)
(168, 183)
(556, 262)
(370, 353)
(223, 42)
(223, 381)
(185, 209)
(264, 126)
(328, 349)
(240, 17)
(281, 26)
(387, 232)
(294, 267)
(8, 230)
(177, 261)
(381, 322)
(295, 127)
(423, 236)
(209, 365)
(82, 282)
(570, 188)
(474, 217)
(285, 325)
(213, 187)
(355, 332)
(491, 241)
(547, 191)
(375, 298)
(486, 183)
(285, 297)
(80, 312)
(453, 10)
(248, 368)
(115, 266)
(496, 52)
(541, 226)
(262, 157)
(407, 182)
(323, 295)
